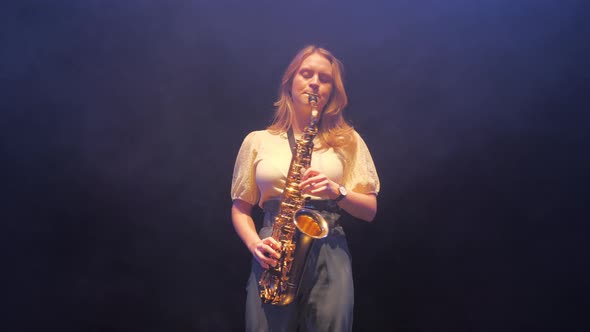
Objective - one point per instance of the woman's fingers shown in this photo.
(263, 264)
(308, 173)
(318, 186)
(267, 252)
(274, 244)
(312, 179)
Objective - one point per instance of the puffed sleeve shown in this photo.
(244, 181)
(360, 173)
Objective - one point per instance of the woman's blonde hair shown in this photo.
(333, 131)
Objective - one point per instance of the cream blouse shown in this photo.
(263, 161)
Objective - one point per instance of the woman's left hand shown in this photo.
(318, 184)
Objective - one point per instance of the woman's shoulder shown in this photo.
(355, 142)
(352, 138)
(357, 137)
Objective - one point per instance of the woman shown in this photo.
(341, 178)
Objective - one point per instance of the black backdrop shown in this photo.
(120, 122)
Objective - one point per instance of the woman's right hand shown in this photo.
(266, 252)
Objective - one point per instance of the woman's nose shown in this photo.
(314, 83)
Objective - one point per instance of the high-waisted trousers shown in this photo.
(326, 296)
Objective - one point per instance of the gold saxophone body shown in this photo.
(295, 226)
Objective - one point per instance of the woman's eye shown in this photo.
(325, 78)
(306, 73)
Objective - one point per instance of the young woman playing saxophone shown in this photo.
(341, 178)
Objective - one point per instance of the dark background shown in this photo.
(120, 122)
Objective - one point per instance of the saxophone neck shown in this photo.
(315, 113)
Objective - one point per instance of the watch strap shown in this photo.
(341, 196)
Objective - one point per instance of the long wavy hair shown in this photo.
(334, 131)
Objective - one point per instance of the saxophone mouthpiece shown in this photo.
(312, 98)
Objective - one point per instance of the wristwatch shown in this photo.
(343, 193)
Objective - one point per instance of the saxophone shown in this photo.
(295, 226)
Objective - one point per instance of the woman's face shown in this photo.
(314, 76)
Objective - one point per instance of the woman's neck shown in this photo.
(298, 128)
(300, 121)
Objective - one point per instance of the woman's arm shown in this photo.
(361, 206)
(241, 214)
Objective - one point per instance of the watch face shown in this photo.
(342, 190)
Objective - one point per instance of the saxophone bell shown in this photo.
(311, 223)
